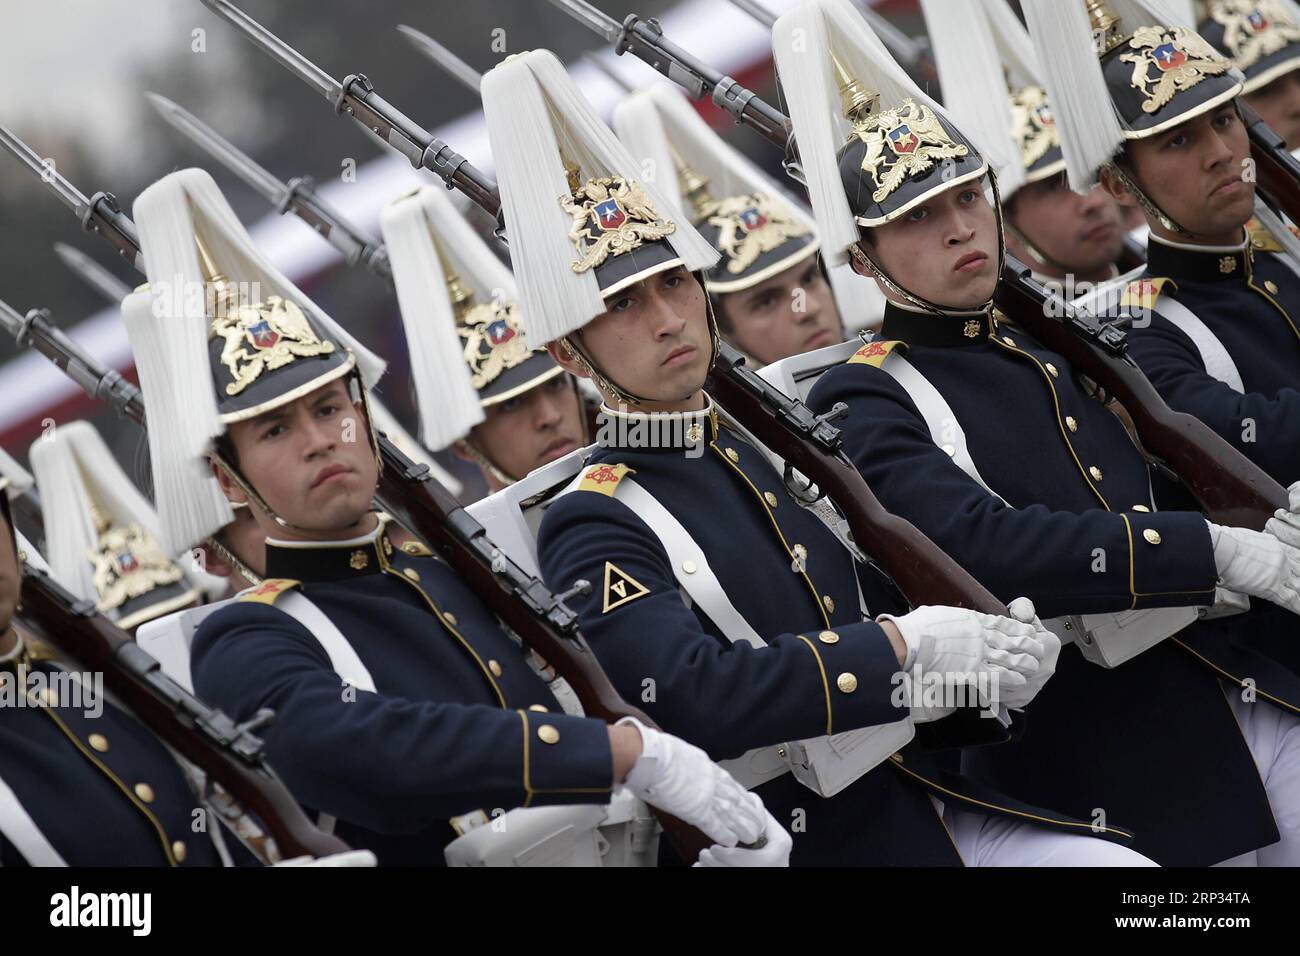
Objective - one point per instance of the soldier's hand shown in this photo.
(1285, 523)
(1044, 646)
(679, 778)
(775, 852)
(1258, 564)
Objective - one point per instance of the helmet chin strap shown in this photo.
(254, 497)
(1147, 203)
(1033, 249)
(924, 304)
(607, 385)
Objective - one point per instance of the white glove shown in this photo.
(961, 644)
(350, 858)
(1285, 523)
(1022, 609)
(680, 779)
(776, 852)
(1257, 564)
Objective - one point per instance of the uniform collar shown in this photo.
(657, 431)
(329, 560)
(952, 328)
(1182, 260)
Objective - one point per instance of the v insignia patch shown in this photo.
(620, 587)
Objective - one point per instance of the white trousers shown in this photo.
(986, 840)
(1273, 736)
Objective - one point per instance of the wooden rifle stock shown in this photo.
(1277, 172)
(1231, 488)
(228, 753)
(539, 618)
(924, 573)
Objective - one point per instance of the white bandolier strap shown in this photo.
(1105, 639)
(1218, 363)
(21, 830)
(824, 764)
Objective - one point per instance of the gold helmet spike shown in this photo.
(856, 101)
(1107, 31)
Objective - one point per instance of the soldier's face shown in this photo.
(791, 313)
(10, 581)
(312, 462)
(1195, 173)
(527, 431)
(944, 250)
(652, 339)
(1084, 234)
(1278, 104)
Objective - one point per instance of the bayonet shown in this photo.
(100, 213)
(92, 273)
(435, 51)
(356, 97)
(298, 195)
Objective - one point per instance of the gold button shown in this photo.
(689, 567)
(411, 573)
(144, 792)
(98, 742)
(1143, 508)
(1271, 286)
(847, 683)
(829, 602)
(828, 637)
(179, 851)
(537, 707)
(548, 734)
(451, 618)
(950, 451)
(800, 552)
(1009, 340)
(1095, 472)
(495, 668)
(1071, 424)
(1051, 370)
(770, 499)
(359, 560)
(731, 453)
(1152, 535)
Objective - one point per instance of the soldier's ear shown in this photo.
(564, 357)
(1116, 188)
(234, 494)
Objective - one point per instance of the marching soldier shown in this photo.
(532, 411)
(82, 782)
(1262, 38)
(984, 439)
(404, 710)
(1071, 242)
(732, 612)
(1219, 329)
(770, 294)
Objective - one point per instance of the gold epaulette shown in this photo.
(269, 590)
(604, 479)
(873, 353)
(1143, 293)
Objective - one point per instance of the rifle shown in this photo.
(414, 496)
(780, 422)
(1277, 172)
(1232, 489)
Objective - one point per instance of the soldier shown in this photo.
(532, 412)
(733, 613)
(402, 705)
(984, 439)
(1071, 242)
(771, 296)
(82, 782)
(1262, 38)
(1218, 333)
(101, 533)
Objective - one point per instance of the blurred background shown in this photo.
(78, 74)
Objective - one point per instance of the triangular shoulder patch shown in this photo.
(604, 479)
(1142, 293)
(620, 588)
(269, 590)
(873, 353)
(1261, 238)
